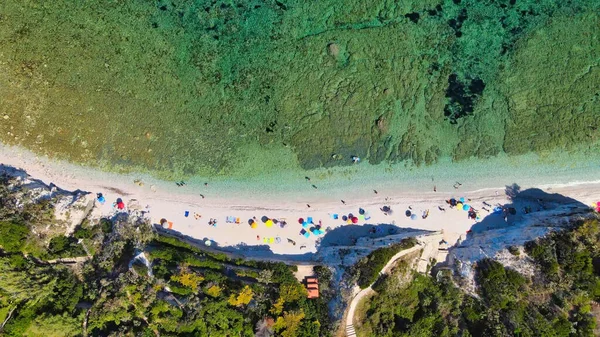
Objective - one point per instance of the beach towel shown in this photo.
(170, 225)
(334, 216)
(304, 224)
(238, 221)
(186, 213)
(309, 219)
(306, 234)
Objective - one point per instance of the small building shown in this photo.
(312, 287)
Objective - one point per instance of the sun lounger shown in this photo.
(305, 233)
(309, 219)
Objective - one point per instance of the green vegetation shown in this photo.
(187, 292)
(27, 224)
(367, 269)
(40, 299)
(555, 302)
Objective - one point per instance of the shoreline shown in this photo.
(168, 201)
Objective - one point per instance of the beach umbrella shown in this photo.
(278, 240)
(253, 225)
(163, 221)
(300, 220)
(120, 205)
(350, 216)
(354, 220)
(345, 218)
(459, 206)
(119, 200)
(264, 218)
(269, 223)
(413, 217)
(361, 211)
(208, 242)
(462, 199)
(386, 208)
(349, 221)
(466, 207)
(407, 213)
(250, 222)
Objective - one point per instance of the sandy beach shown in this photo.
(167, 200)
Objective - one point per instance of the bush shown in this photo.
(12, 236)
(106, 225)
(368, 268)
(65, 246)
(514, 250)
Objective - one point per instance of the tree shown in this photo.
(292, 292)
(243, 298)
(287, 326)
(214, 291)
(12, 236)
(265, 276)
(188, 278)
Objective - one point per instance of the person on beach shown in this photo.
(375, 191)
(202, 195)
(307, 178)
(307, 205)
(343, 202)
(314, 186)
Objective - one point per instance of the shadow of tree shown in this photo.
(32, 183)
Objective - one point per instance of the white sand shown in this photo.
(165, 200)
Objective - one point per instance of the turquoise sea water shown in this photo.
(254, 90)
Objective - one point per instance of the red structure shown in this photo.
(312, 286)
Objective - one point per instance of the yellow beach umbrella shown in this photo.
(269, 223)
(253, 225)
(459, 206)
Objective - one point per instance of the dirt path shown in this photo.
(428, 243)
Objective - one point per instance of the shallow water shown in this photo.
(257, 89)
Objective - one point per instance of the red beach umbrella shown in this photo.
(300, 220)
(354, 220)
(120, 205)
